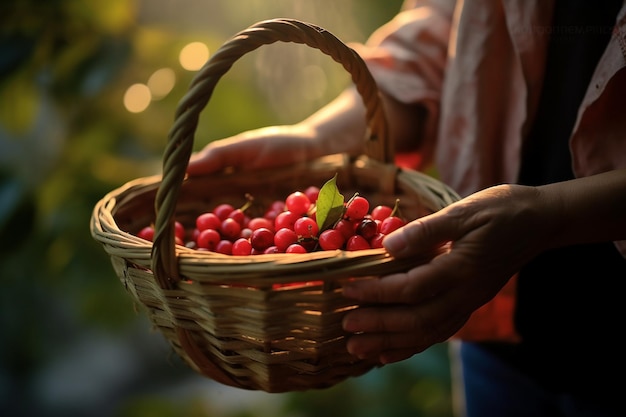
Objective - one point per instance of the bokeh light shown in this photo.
(161, 82)
(193, 56)
(137, 98)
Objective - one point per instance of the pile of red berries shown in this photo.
(287, 226)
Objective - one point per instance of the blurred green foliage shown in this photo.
(72, 340)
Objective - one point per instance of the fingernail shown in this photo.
(352, 350)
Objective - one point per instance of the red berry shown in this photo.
(271, 214)
(357, 242)
(285, 219)
(179, 230)
(230, 229)
(298, 203)
(224, 247)
(283, 238)
(331, 239)
(305, 227)
(295, 248)
(208, 221)
(367, 228)
(390, 224)
(238, 215)
(246, 221)
(357, 208)
(277, 205)
(223, 210)
(261, 239)
(146, 233)
(309, 244)
(246, 232)
(377, 241)
(346, 227)
(258, 222)
(271, 249)
(312, 193)
(208, 239)
(381, 212)
(242, 247)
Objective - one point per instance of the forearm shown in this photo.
(340, 126)
(590, 209)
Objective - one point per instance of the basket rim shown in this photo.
(335, 264)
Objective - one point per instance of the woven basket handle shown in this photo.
(181, 136)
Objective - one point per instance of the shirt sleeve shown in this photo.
(407, 56)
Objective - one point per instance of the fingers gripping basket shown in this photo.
(229, 317)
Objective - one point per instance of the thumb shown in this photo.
(424, 235)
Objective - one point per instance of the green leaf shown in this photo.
(329, 204)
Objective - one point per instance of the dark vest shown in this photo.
(570, 311)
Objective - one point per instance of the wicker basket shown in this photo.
(225, 315)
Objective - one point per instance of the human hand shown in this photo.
(338, 127)
(483, 240)
(259, 148)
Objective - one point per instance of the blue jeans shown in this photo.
(486, 386)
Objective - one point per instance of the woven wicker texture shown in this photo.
(262, 322)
